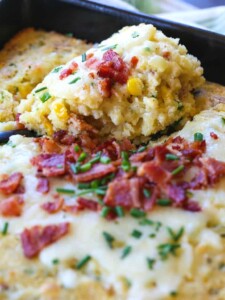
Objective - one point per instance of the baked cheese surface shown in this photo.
(126, 258)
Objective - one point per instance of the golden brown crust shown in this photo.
(30, 55)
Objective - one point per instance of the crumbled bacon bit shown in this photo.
(55, 206)
(82, 204)
(70, 70)
(96, 172)
(38, 237)
(11, 183)
(12, 206)
(48, 145)
(50, 164)
(105, 86)
(214, 135)
(64, 138)
(134, 61)
(43, 185)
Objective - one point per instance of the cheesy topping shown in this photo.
(155, 255)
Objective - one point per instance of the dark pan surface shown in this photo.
(95, 22)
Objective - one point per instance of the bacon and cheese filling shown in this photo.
(132, 85)
(140, 222)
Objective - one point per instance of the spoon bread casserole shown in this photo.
(88, 213)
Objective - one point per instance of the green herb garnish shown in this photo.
(105, 211)
(83, 57)
(141, 149)
(82, 157)
(55, 261)
(198, 137)
(126, 251)
(119, 211)
(135, 34)
(5, 228)
(46, 96)
(80, 264)
(105, 160)
(146, 193)
(137, 213)
(86, 167)
(177, 170)
(165, 250)
(108, 238)
(163, 202)
(170, 156)
(136, 233)
(175, 235)
(76, 148)
(74, 80)
(223, 120)
(110, 47)
(65, 191)
(41, 89)
(57, 69)
(151, 262)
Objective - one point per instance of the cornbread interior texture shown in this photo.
(195, 271)
(26, 59)
(158, 90)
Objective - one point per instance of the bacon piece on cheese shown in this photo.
(12, 206)
(11, 183)
(38, 237)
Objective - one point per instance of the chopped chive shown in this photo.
(69, 34)
(41, 89)
(158, 225)
(96, 158)
(177, 170)
(86, 167)
(198, 137)
(76, 148)
(176, 235)
(105, 160)
(170, 156)
(83, 262)
(126, 251)
(74, 80)
(83, 185)
(105, 211)
(173, 293)
(55, 261)
(45, 97)
(151, 262)
(126, 166)
(65, 191)
(152, 235)
(124, 155)
(147, 222)
(146, 193)
(141, 149)
(83, 57)
(128, 282)
(163, 202)
(57, 69)
(135, 34)
(108, 238)
(75, 168)
(136, 234)
(109, 47)
(223, 120)
(147, 49)
(100, 192)
(95, 183)
(100, 202)
(82, 157)
(137, 213)
(5, 228)
(164, 250)
(119, 211)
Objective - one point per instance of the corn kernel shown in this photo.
(135, 86)
(61, 111)
(48, 127)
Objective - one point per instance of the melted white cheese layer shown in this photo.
(86, 234)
